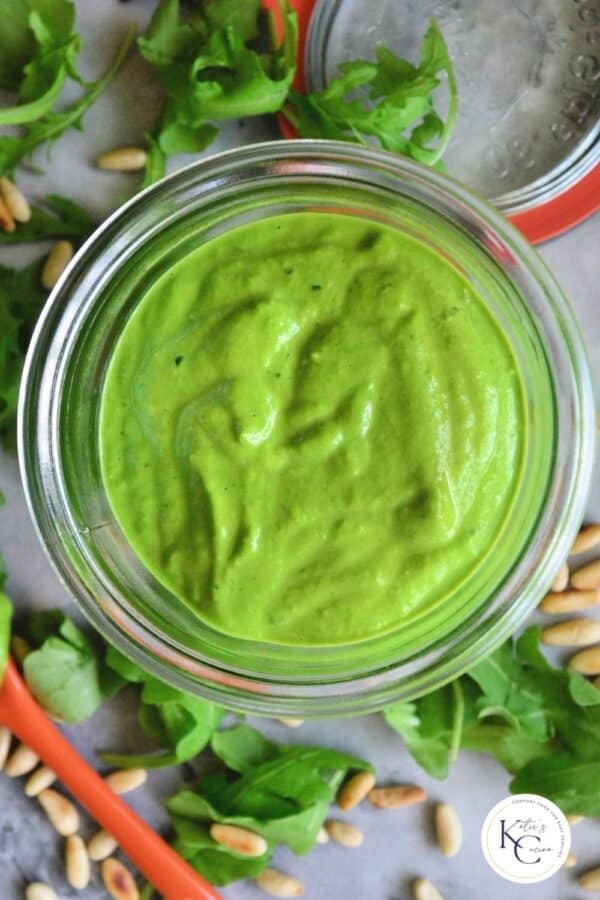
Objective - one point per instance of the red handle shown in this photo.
(165, 869)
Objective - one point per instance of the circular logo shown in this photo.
(525, 838)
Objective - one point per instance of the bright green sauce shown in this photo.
(312, 430)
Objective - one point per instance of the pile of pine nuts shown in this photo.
(64, 817)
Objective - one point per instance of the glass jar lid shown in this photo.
(528, 130)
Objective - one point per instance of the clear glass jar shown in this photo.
(63, 383)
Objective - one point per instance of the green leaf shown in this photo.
(58, 218)
(283, 794)
(52, 124)
(180, 723)
(63, 672)
(570, 780)
(18, 39)
(21, 300)
(5, 619)
(389, 101)
(212, 71)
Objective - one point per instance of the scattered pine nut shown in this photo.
(397, 795)
(570, 861)
(425, 890)
(7, 223)
(277, 884)
(569, 601)
(5, 739)
(123, 159)
(574, 819)
(118, 881)
(322, 836)
(37, 890)
(344, 834)
(572, 633)
(561, 579)
(21, 761)
(292, 723)
(77, 862)
(448, 829)
(588, 537)
(586, 662)
(56, 262)
(355, 789)
(590, 881)
(61, 812)
(19, 648)
(39, 780)
(101, 845)
(15, 200)
(588, 577)
(125, 780)
(240, 840)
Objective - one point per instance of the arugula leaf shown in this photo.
(389, 101)
(53, 123)
(541, 723)
(212, 72)
(281, 792)
(5, 616)
(180, 723)
(63, 672)
(28, 25)
(59, 217)
(21, 299)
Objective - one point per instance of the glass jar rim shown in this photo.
(38, 439)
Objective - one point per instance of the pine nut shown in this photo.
(61, 812)
(7, 223)
(344, 834)
(397, 795)
(118, 881)
(123, 159)
(561, 579)
(39, 780)
(19, 648)
(39, 891)
(292, 723)
(101, 845)
(20, 762)
(277, 884)
(588, 577)
(322, 836)
(574, 819)
(15, 200)
(588, 537)
(77, 862)
(125, 780)
(590, 881)
(240, 840)
(56, 262)
(570, 601)
(448, 829)
(586, 662)
(355, 789)
(570, 861)
(425, 890)
(5, 739)
(572, 633)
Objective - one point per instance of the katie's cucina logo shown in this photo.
(525, 838)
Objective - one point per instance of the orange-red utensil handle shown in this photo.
(166, 870)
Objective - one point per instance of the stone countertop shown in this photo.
(398, 846)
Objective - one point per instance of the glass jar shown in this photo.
(63, 383)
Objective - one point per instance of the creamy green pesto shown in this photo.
(312, 430)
